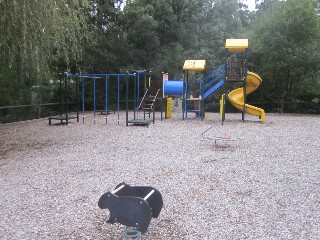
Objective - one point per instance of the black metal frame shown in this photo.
(236, 71)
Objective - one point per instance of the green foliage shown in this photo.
(37, 36)
(285, 43)
(221, 20)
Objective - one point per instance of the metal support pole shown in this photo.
(77, 97)
(127, 100)
(65, 95)
(60, 90)
(184, 95)
(223, 117)
(82, 85)
(244, 99)
(94, 100)
(118, 79)
(107, 103)
(154, 110)
(245, 70)
(134, 97)
(138, 90)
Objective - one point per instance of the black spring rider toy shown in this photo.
(132, 207)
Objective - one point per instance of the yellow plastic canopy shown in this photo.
(194, 65)
(237, 45)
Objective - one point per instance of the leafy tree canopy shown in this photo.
(285, 42)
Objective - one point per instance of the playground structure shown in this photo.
(192, 104)
(236, 72)
(132, 207)
(106, 78)
(231, 72)
(139, 81)
(146, 103)
(64, 106)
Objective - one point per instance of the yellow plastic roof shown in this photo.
(194, 65)
(237, 45)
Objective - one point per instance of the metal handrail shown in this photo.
(144, 96)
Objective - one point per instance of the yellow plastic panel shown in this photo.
(194, 65)
(237, 45)
(169, 108)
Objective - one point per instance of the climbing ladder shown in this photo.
(147, 103)
(192, 106)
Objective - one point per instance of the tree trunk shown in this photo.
(283, 97)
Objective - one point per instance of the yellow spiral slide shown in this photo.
(236, 97)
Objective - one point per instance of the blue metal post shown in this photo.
(107, 103)
(82, 85)
(118, 99)
(138, 91)
(94, 100)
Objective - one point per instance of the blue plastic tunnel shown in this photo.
(173, 87)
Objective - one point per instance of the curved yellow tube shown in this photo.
(236, 97)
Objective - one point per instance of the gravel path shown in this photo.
(265, 186)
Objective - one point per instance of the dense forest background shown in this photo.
(40, 39)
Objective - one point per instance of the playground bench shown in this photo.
(140, 122)
(61, 118)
